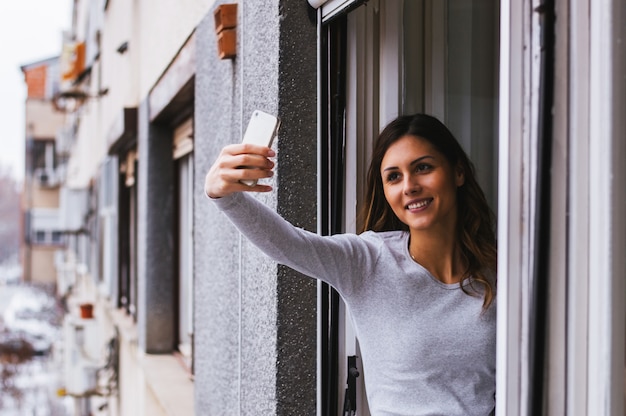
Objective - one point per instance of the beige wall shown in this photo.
(42, 265)
(159, 46)
(119, 69)
(89, 150)
(44, 197)
(41, 120)
(151, 49)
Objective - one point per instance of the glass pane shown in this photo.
(414, 70)
(57, 237)
(471, 87)
(185, 201)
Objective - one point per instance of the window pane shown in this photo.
(413, 39)
(185, 254)
(471, 95)
(57, 237)
(40, 237)
(38, 154)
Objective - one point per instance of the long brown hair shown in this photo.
(475, 220)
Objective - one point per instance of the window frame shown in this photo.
(382, 101)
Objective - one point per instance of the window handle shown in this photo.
(349, 400)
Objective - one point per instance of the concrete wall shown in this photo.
(255, 339)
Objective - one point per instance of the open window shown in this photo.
(381, 60)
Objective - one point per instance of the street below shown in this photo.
(30, 334)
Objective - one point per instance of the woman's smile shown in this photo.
(417, 205)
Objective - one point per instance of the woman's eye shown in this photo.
(392, 177)
(423, 167)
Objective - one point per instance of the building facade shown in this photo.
(193, 319)
(42, 233)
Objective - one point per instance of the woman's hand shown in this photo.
(237, 162)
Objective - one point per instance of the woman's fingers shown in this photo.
(248, 149)
(245, 172)
(251, 161)
(236, 163)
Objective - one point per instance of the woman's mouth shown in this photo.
(419, 204)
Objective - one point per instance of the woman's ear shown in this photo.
(459, 176)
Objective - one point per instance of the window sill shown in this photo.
(170, 383)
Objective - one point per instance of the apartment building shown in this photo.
(190, 318)
(42, 229)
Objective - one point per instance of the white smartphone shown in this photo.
(262, 129)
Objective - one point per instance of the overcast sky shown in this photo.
(30, 30)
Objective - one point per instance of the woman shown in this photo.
(419, 282)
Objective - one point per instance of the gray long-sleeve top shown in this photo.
(427, 347)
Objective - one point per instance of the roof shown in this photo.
(40, 62)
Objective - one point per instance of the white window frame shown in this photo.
(331, 8)
(599, 143)
(591, 303)
(578, 288)
(513, 240)
(183, 152)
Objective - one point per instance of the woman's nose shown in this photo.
(411, 185)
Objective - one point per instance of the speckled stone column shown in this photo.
(255, 321)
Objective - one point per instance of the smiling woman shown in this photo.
(430, 190)
(420, 279)
(420, 187)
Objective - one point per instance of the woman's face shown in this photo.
(420, 185)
